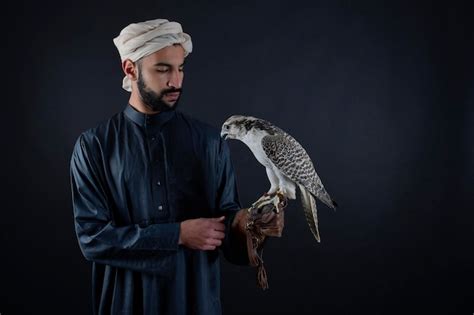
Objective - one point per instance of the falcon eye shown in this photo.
(226, 126)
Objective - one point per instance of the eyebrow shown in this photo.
(164, 64)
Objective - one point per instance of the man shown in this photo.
(154, 192)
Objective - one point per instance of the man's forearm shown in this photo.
(144, 249)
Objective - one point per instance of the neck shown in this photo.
(253, 139)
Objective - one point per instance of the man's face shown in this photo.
(160, 77)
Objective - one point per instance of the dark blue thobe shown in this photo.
(134, 177)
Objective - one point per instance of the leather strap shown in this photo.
(255, 240)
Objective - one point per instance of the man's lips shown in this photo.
(172, 95)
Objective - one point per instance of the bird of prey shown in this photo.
(287, 164)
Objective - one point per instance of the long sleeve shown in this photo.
(233, 248)
(150, 248)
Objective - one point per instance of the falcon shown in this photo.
(286, 162)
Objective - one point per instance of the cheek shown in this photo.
(156, 80)
(161, 83)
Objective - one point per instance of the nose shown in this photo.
(175, 79)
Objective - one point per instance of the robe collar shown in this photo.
(145, 120)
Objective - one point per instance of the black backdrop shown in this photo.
(380, 94)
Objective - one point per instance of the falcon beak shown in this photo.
(224, 135)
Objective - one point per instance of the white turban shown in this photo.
(138, 40)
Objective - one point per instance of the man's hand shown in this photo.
(203, 233)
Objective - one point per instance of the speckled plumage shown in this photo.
(287, 163)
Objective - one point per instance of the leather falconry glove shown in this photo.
(259, 222)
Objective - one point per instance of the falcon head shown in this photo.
(237, 127)
(242, 127)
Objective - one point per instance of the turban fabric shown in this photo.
(138, 40)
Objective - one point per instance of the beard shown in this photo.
(154, 101)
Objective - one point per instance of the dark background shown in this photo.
(380, 94)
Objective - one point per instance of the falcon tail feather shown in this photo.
(310, 211)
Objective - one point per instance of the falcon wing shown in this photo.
(293, 161)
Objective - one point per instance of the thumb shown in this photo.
(220, 219)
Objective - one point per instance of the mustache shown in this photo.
(171, 90)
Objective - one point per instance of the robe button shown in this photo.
(160, 207)
(158, 183)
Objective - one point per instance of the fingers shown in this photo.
(211, 243)
(220, 219)
(208, 247)
(203, 233)
(217, 235)
(217, 223)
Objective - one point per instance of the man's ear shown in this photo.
(130, 69)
